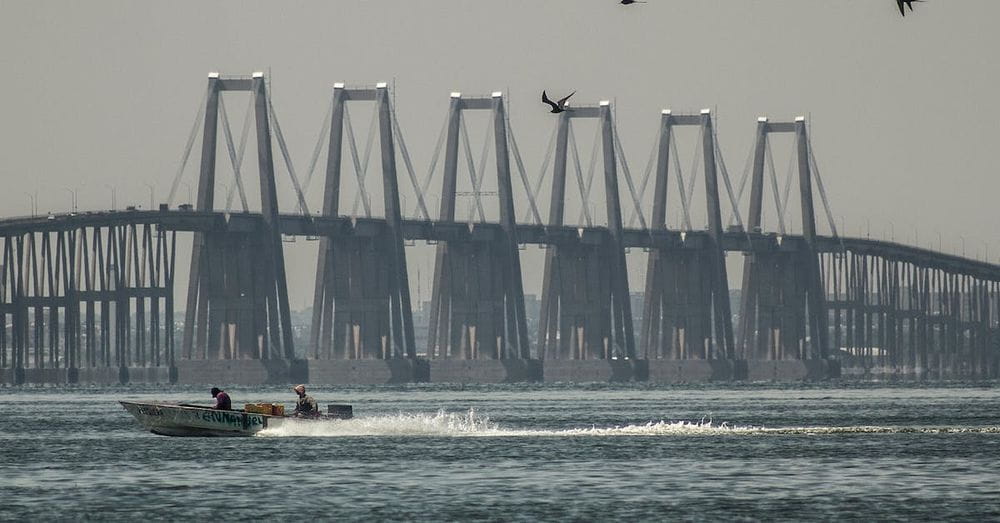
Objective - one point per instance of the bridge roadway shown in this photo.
(428, 230)
(894, 308)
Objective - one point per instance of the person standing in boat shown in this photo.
(222, 401)
(305, 406)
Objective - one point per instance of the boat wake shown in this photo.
(471, 424)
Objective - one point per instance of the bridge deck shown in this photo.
(427, 230)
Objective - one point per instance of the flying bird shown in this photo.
(909, 3)
(557, 107)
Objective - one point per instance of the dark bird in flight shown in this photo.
(557, 107)
(630, 2)
(909, 3)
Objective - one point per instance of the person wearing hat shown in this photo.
(222, 401)
(305, 406)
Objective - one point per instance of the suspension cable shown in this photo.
(533, 207)
(747, 166)
(471, 163)
(409, 164)
(822, 190)
(434, 158)
(549, 150)
(646, 175)
(685, 204)
(353, 144)
(696, 163)
(577, 170)
(769, 154)
(287, 157)
(366, 161)
(725, 178)
(788, 186)
(324, 130)
(240, 154)
(187, 149)
(231, 148)
(628, 175)
(584, 186)
(480, 171)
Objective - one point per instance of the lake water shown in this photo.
(516, 452)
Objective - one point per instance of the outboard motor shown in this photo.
(340, 411)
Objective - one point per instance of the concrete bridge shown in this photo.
(88, 296)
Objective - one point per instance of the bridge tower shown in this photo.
(585, 310)
(237, 302)
(477, 302)
(361, 302)
(687, 287)
(783, 293)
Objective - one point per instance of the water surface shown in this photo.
(517, 452)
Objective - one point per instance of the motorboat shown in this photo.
(197, 420)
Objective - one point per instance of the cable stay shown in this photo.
(405, 153)
(549, 150)
(774, 187)
(471, 164)
(788, 186)
(324, 130)
(241, 153)
(584, 186)
(591, 168)
(696, 164)
(477, 172)
(288, 159)
(620, 153)
(434, 158)
(822, 191)
(747, 167)
(360, 165)
(645, 176)
(187, 149)
(237, 161)
(721, 162)
(685, 204)
(481, 170)
(521, 171)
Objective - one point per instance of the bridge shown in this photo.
(89, 296)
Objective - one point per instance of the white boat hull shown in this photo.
(184, 420)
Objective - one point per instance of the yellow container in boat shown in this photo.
(277, 410)
(257, 408)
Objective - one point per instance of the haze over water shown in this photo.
(518, 452)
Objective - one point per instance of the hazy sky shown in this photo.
(904, 112)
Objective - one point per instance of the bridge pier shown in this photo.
(361, 302)
(586, 309)
(686, 312)
(237, 301)
(783, 314)
(87, 297)
(477, 301)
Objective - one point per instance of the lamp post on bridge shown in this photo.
(188, 185)
(892, 231)
(432, 208)
(72, 196)
(150, 187)
(940, 248)
(33, 198)
(114, 196)
(960, 237)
